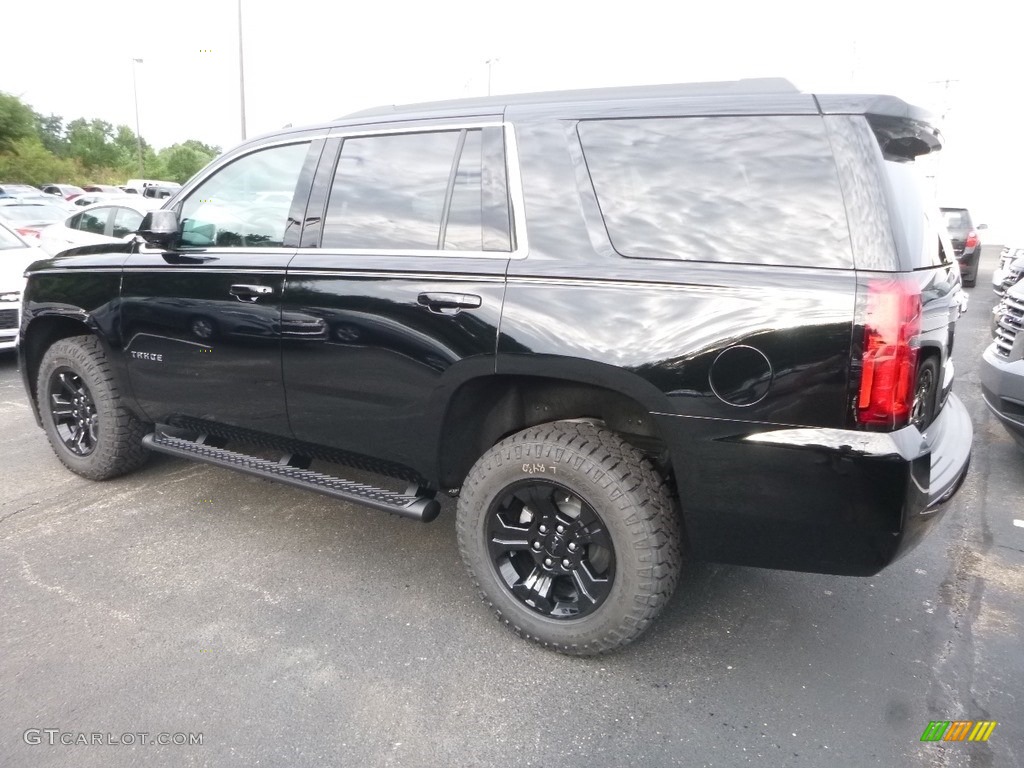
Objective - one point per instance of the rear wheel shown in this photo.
(80, 404)
(571, 537)
(923, 409)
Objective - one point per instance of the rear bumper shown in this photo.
(818, 500)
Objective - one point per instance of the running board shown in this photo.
(409, 505)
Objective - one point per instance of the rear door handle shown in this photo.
(449, 303)
(250, 292)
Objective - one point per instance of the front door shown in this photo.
(201, 323)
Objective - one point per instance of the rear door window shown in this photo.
(94, 221)
(440, 190)
(748, 190)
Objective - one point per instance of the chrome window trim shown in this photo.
(345, 273)
(205, 270)
(73, 271)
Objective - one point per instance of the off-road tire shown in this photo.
(117, 448)
(630, 498)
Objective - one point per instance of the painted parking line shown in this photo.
(1019, 523)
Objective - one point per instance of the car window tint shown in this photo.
(750, 190)
(94, 221)
(389, 191)
(126, 221)
(478, 214)
(245, 203)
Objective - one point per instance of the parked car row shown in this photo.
(15, 256)
(1002, 368)
(152, 188)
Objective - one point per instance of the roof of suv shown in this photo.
(782, 89)
(903, 130)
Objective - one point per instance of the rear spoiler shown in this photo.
(903, 131)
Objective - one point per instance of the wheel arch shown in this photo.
(484, 410)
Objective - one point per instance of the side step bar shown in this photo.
(416, 507)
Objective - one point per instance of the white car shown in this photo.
(110, 221)
(15, 256)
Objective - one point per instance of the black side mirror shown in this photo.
(160, 229)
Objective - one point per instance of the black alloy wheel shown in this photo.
(550, 549)
(73, 411)
(922, 411)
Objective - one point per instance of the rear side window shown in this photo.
(920, 231)
(442, 190)
(747, 190)
(94, 221)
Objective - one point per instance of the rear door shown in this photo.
(202, 322)
(406, 270)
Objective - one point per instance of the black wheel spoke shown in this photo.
(535, 590)
(503, 537)
(60, 408)
(591, 588)
(73, 412)
(537, 497)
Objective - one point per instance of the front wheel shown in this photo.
(571, 537)
(86, 422)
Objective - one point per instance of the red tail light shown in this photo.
(972, 239)
(892, 318)
(28, 232)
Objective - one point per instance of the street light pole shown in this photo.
(490, 65)
(241, 69)
(138, 130)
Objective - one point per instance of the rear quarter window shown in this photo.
(736, 189)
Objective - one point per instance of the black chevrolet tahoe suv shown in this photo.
(624, 326)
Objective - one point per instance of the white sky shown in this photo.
(314, 60)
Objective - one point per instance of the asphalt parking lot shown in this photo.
(284, 628)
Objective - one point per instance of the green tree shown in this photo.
(29, 162)
(184, 160)
(51, 133)
(92, 142)
(17, 121)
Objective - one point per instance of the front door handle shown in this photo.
(449, 303)
(250, 292)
